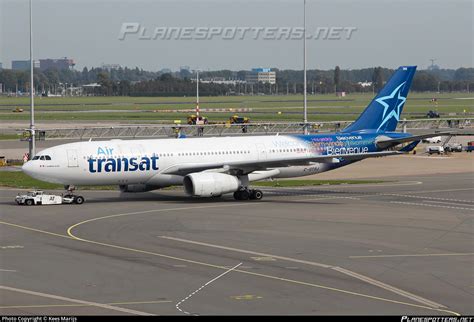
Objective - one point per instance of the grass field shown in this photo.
(264, 108)
(21, 180)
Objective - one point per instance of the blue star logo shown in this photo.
(395, 113)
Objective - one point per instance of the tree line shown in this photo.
(138, 82)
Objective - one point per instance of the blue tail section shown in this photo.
(383, 113)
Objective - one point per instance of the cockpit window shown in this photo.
(42, 157)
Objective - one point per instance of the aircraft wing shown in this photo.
(250, 166)
(384, 143)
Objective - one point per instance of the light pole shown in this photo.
(305, 121)
(197, 95)
(32, 142)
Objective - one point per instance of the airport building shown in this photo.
(44, 64)
(59, 64)
(261, 75)
(24, 64)
(110, 67)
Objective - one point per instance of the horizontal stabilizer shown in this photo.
(385, 143)
(410, 147)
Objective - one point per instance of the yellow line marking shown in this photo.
(79, 305)
(467, 203)
(67, 299)
(445, 190)
(71, 236)
(11, 247)
(246, 297)
(264, 259)
(344, 271)
(69, 231)
(36, 230)
(144, 212)
(413, 255)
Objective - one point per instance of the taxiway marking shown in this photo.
(11, 247)
(416, 298)
(449, 203)
(79, 305)
(428, 198)
(203, 286)
(62, 298)
(344, 271)
(72, 237)
(429, 205)
(443, 190)
(246, 297)
(413, 255)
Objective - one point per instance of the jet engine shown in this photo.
(209, 184)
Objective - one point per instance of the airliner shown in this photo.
(213, 166)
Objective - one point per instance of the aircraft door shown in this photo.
(72, 160)
(261, 151)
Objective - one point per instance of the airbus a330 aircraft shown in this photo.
(208, 167)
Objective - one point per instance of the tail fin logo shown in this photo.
(399, 101)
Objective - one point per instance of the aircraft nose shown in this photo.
(28, 168)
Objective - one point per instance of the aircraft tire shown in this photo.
(244, 195)
(257, 194)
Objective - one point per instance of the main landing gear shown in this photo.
(248, 194)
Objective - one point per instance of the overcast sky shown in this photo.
(389, 33)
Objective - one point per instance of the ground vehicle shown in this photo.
(469, 147)
(453, 147)
(432, 114)
(38, 197)
(438, 149)
(193, 120)
(435, 139)
(235, 119)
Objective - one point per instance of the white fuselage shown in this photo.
(125, 162)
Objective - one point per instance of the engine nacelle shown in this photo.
(137, 188)
(209, 184)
